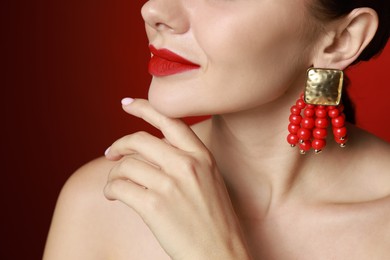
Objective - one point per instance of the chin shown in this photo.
(178, 107)
(167, 105)
(174, 100)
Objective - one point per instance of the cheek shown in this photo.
(255, 63)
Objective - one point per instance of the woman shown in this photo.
(231, 187)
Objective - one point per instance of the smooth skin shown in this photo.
(231, 187)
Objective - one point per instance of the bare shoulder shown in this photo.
(351, 187)
(373, 163)
(370, 158)
(86, 225)
(366, 180)
(358, 173)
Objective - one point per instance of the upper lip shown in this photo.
(169, 55)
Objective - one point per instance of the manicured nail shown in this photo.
(107, 151)
(127, 101)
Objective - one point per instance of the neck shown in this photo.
(253, 155)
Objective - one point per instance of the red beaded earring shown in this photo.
(316, 108)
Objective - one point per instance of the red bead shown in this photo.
(333, 113)
(292, 139)
(307, 123)
(340, 140)
(338, 121)
(309, 112)
(321, 122)
(293, 129)
(295, 110)
(321, 112)
(340, 132)
(331, 107)
(318, 144)
(310, 106)
(305, 146)
(320, 133)
(295, 119)
(304, 134)
(300, 104)
(302, 96)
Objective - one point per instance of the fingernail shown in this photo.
(107, 151)
(127, 101)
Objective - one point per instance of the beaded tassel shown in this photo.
(309, 123)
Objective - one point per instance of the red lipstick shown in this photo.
(165, 63)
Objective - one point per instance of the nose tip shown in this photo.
(165, 15)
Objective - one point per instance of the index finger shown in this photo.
(175, 131)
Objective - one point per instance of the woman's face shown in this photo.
(249, 52)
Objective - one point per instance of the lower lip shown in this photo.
(161, 67)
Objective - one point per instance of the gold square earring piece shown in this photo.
(323, 87)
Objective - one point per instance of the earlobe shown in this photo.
(346, 39)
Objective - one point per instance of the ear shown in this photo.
(345, 39)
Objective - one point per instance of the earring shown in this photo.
(317, 108)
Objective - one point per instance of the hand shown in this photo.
(176, 188)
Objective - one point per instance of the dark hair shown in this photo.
(327, 10)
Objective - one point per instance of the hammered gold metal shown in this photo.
(324, 87)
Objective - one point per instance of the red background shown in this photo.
(67, 66)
